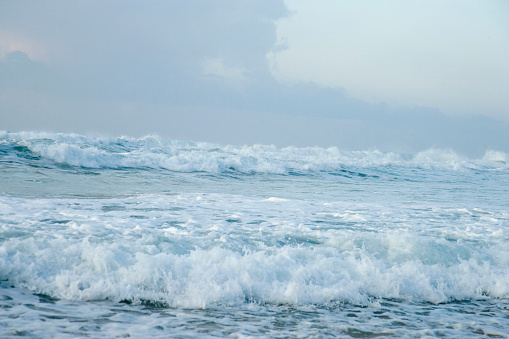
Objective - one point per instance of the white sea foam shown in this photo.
(495, 156)
(187, 252)
(276, 199)
(83, 270)
(153, 152)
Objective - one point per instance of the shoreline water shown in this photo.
(114, 237)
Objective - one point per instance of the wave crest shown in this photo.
(186, 156)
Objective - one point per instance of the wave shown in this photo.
(152, 152)
(130, 272)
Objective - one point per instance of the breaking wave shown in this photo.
(186, 156)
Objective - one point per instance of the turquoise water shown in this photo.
(117, 237)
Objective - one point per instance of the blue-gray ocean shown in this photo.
(155, 238)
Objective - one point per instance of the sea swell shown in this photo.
(185, 156)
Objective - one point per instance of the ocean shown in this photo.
(150, 237)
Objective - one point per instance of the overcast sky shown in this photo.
(392, 75)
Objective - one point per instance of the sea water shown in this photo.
(124, 237)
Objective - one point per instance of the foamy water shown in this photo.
(106, 237)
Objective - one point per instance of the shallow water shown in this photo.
(150, 237)
(36, 315)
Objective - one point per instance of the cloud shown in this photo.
(216, 67)
(11, 42)
(127, 49)
(446, 54)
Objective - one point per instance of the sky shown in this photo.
(402, 75)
